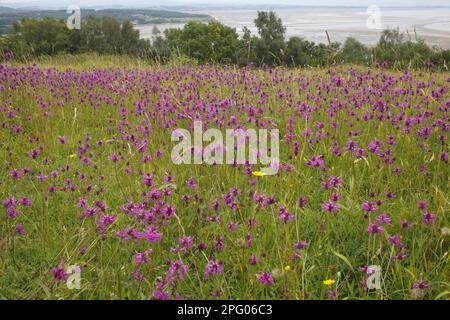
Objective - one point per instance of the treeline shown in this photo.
(141, 16)
(216, 43)
(48, 36)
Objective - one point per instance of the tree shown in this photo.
(354, 51)
(45, 36)
(212, 42)
(111, 32)
(92, 38)
(247, 53)
(107, 35)
(393, 49)
(130, 42)
(297, 51)
(270, 46)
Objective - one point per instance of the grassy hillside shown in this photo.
(87, 180)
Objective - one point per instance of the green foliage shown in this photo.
(298, 52)
(38, 37)
(247, 54)
(271, 44)
(48, 36)
(355, 52)
(212, 42)
(107, 35)
(399, 52)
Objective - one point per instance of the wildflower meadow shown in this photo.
(92, 205)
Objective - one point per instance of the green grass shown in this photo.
(337, 243)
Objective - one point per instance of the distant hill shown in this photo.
(6, 10)
(138, 16)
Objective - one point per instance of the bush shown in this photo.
(354, 51)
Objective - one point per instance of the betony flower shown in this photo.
(284, 215)
(59, 273)
(444, 156)
(177, 270)
(20, 230)
(142, 257)
(369, 206)
(405, 224)
(252, 260)
(214, 267)
(185, 242)
(330, 207)
(332, 182)
(374, 229)
(302, 202)
(62, 139)
(428, 217)
(422, 204)
(383, 219)
(299, 245)
(316, 161)
(420, 284)
(265, 278)
(191, 183)
(8, 55)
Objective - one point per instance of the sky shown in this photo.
(152, 3)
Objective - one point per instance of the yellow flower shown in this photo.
(328, 282)
(73, 155)
(258, 173)
(288, 268)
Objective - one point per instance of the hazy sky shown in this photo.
(150, 3)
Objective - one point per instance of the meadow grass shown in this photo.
(93, 102)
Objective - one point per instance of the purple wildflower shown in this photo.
(191, 183)
(214, 267)
(265, 278)
(428, 217)
(59, 273)
(369, 206)
(374, 229)
(330, 207)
